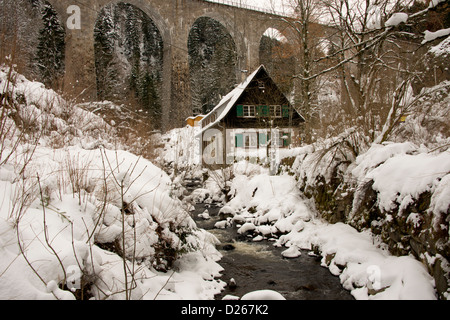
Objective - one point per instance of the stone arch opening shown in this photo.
(129, 59)
(277, 54)
(213, 59)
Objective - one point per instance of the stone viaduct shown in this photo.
(174, 19)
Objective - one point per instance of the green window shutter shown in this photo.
(239, 140)
(240, 110)
(262, 139)
(259, 111)
(285, 111)
(266, 111)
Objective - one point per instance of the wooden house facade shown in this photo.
(252, 117)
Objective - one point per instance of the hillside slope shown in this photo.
(81, 218)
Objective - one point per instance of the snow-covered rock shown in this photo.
(292, 252)
(396, 19)
(263, 295)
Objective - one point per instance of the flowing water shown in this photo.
(260, 265)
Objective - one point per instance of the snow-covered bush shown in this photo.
(83, 219)
(272, 208)
(398, 189)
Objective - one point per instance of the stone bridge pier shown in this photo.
(174, 19)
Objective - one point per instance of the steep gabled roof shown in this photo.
(228, 101)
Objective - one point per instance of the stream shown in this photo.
(260, 266)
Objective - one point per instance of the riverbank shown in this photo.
(272, 209)
(251, 266)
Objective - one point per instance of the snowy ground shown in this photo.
(268, 205)
(67, 212)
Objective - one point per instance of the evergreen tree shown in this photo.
(212, 63)
(50, 50)
(132, 45)
(129, 56)
(105, 62)
(150, 100)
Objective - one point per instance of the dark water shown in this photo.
(259, 265)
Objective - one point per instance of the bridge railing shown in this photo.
(239, 4)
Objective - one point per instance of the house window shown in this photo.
(275, 112)
(250, 140)
(246, 140)
(249, 111)
(252, 111)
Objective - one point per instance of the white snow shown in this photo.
(205, 215)
(378, 154)
(366, 269)
(434, 3)
(396, 19)
(292, 252)
(441, 49)
(70, 218)
(430, 36)
(263, 295)
(407, 176)
(248, 226)
(440, 201)
(59, 205)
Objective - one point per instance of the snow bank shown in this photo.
(365, 269)
(69, 215)
(397, 190)
(378, 154)
(401, 173)
(403, 178)
(273, 208)
(264, 199)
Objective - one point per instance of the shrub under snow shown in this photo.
(80, 219)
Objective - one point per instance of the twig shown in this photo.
(46, 231)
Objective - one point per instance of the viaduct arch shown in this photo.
(174, 19)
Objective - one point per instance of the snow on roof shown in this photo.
(195, 117)
(228, 101)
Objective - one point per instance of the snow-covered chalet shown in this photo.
(248, 120)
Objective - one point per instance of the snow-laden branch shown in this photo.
(365, 46)
(363, 38)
